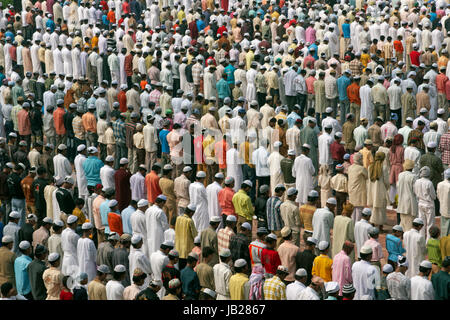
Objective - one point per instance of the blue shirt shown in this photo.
(126, 223)
(342, 83)
(1, 231)
(433, 16)
(23, 285)
(315, 55)
(50, 24)
(291, 118)
(229, 70)
(394, 247)
(200, 25)
(274, 220)
(346, 30)
(163, 138)
(190, 283)
(91, 167)
(223, 89)
(9, 34)
(104, 210)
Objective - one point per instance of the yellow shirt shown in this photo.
(208, 149)
(249, 57)
(81, 217)
(236, 285)
(367, 157)
(245, 152)
(322, 267)
(181, 15)
(243, 205)
(96, 290)
(185, 232)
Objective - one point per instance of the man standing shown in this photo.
(209, 239)
(222, 275)
(364, 274)
(35, 271)
(290, 215)
(157, 223)
(343, 231)
(243, 204)
(421, 287)
(275, 288)
(185, 232)
(304, 171)
(362, 228)
(323, 221)
(407, 201)
(86, 252)
(415, 247)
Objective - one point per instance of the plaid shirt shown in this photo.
(274, 221)
(78, 129)
(356, 67)
(197, 71)
(130, 130)
(154, 97)
(274, 289)
(444, 148)
(119, 130)
(223, 238)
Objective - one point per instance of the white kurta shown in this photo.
(361, 234)
(81, 176)
(325, 140)
(114, 290)
(322, 222)
(421, 288)
(62, 166)
(366, 103)
(69, 242)
(87, 255)
(137, 259)
(234, 168)
(137, 186)
(213, 203)
(197, 196)
(107, 176)
(414, 244)
(364, 278)
(276, 175)
(303, 171)
(156, 222)
(139, 227)
(158, 261)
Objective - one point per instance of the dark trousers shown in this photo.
(176, 86)
(26, 138)
(250, 174)
(261, 96)
(291, 100)
(341, 197)
(129, 82)
(399, 114)
(301, 100)
(9, 127)
(102, 151)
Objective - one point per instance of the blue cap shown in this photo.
(241, 110)
(394, 116)
(162, 197)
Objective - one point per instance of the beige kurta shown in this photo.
(343, 230)
(376, 197)
(96, 290)
(53, 282)
(357, 189)
(181, 188)
(205, 274)
(209, 239)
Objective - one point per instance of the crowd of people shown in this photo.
(225, 150)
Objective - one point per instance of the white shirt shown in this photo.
(364, 278)
(421, 288)
(114, 290)
(107, 176)
(308, 294)
(325, 140)
(294, 289)
(222, 275)
(62, 166)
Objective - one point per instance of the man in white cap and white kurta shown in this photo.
(415, 247)
(114, 287)
(362, 228)
(323, 221)
(293, 289)
(222, 275)
(425, 194)
(69, 242)
(138, 259)
(364, 275)
(212, 191)
(107, 173)
(81, 176)
(407, 201)
(198, 197)
(303, 171)
(86, 252)
(274, 160)
(156, 222)
(234, 165)
(139, 224)
(12, 229)
(158, 260)
(421, 287)
(443, 194)
(61, 164)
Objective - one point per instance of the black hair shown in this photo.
(423, 269)
(207, 251)
(79, 201)
(64, 280)
(6, 288)
(117, 275)
(239, 269)
(41, 170)
(140, 277)
(191, 260)
(133, 202)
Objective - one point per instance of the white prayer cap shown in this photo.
(7, 239)
(291, 191)
(123, 161)
(142, 203)
(229, 180)
(373, 231)
(440, 111)
(387, 268)
(332, 201)
(248, 183)
(120, 268)
(282, 269)
(306, 146)
(291, 152)
(312, 240)
(24, 245)
(338, 134)
(313, 194)
(109, 159)
(209, 292)
(418, 221)
(47, 220)
(447, 173)
(301, 272)
(197, 239)
(272, 236)
(246, 225)
(239, 263)
(402, 261)
(174, 283)
(192, 206)
(193, 255)
(81, 147)
(201, 174)
(280, 186)
(367, 212)
(62, 146)
(225, 253)
(103, 268)
(114, 236)
(366, 250)
(426, 264)
(113, 203)
(329, 110)
(52, 257)
(328, 126)
(431, 145)
(136, 239)
(69, 179)
(167, 167)
(87, 226)
(162, 197)
(397, 227)
(168, 243)
(72, 219)
(331, 287)
(187, 169)
(219, 175)
(231, 218)
(423, 110)
(58, 223)
(92, 150)
(277, 144)
(323, 245)
(14, 215)
(215, 219)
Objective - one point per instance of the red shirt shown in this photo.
(221, 30)
(447, 90)
(58, 120)
(23, 122)
(198, 149)
(65, 295)
(128, 65)
(415, 58)
(125, 8)
(225, 198)
(220, 151)
(122, 99)
(115, 223)
(152, 184)
(270, 260)
(337, 151)
(441, 79)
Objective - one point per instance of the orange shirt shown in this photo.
(89, 122)
(353, 93)
(58, 120)
(398, 46)
(94, 41)
(220, 151)
(225, 197)
(122, 99)
(152, 184)
(111, 16)
(115, 223)
(27, 191)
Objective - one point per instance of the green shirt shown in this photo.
(286, 168)
(434, 252)
(441, 285)
(243, 205)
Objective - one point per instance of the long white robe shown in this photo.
(250, 93)
(114, 290)
(197, 196)
(234, 168)
(76, 63)
(364, 278)
(158, 261)
(414, 244)
(421, 288)
(137, 186)
(276, 176)
(107, 176)
(303, 171)
(156, 222)
(322, 222)
(407, 201)
(213, 203)
(139, 227)
(425, 193)
(34, 58)
(58, 62)
(138, 259)
(67, 60)
(81, 176)
(361, 234)
(62, 166)
(87, 255)
(367, 104)
(69, 242)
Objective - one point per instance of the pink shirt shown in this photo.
(342, 270)
(310, 35)
(376, 248)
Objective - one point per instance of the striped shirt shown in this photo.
(197, 71)
(78, 129)
(89, 122)
(223, 238)
(154, 97)
(274, 221)
(119, 130)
